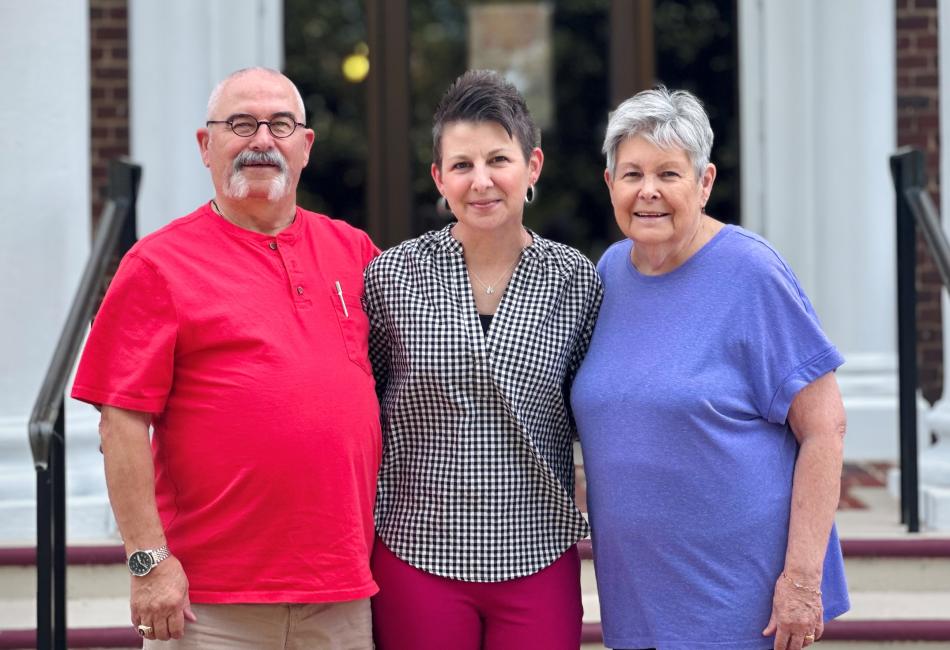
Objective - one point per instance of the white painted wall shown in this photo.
(44, 230)
(818, 125)
(179, 50)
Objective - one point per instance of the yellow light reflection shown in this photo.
(356, 65)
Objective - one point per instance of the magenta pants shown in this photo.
(418, 610)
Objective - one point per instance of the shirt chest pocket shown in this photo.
(354, 323)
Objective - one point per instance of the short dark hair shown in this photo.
(485, 96)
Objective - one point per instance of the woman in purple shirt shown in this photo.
(708, 411)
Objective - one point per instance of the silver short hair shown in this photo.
(668, 119)
(216, 93)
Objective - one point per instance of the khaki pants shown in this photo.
(319, 626)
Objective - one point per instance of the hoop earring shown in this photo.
(442, 207)
(530, 195)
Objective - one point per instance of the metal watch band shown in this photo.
(159, 554)
(142, 567)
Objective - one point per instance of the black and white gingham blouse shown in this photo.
(477, 479)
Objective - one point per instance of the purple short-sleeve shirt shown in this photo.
(681, 406)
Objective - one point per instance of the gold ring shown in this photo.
(144, 630)
(810, 637)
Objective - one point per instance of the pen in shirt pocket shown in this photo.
(339, 292)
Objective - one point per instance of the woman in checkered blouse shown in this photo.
(476, 333)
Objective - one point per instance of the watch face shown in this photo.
(140, 563)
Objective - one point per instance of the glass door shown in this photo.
(372, 72)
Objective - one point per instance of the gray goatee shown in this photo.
(237, 185)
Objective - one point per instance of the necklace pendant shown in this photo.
(489, 290)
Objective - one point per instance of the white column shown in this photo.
(818, 126)
(45, 224)
(935, 460)
(179, 50)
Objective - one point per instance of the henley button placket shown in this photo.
(291, 269)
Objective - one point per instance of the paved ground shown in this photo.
(861, 475)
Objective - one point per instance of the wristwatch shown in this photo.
(141, 562)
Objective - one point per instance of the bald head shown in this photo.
(218, 91)
(259, 167)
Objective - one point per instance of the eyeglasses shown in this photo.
(247, 125)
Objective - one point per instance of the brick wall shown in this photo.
(918, 126)
(109, 91)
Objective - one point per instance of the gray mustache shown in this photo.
(270, 157)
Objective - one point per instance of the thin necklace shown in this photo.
(490, 288)
(218, 210)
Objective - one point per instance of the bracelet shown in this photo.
(802, 587)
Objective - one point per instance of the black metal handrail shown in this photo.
(927, 217)
(907, 170)
(914, 208)
(47, 430)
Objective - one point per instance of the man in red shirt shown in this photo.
(238, 335)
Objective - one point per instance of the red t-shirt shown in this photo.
(266, 426)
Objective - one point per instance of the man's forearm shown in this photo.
(130, 477)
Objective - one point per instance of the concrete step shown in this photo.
(92, 638)
(82, 581)
(900, 589)
(20, 613)
(97, 606)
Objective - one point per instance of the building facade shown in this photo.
(827, 91)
